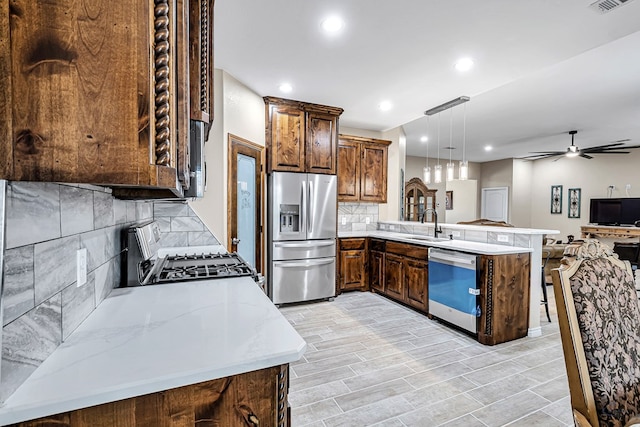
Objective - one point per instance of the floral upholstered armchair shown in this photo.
(599, 323)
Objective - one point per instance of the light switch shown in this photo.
(344, 220)
(455, 233)
(367, 220)
(503, 238)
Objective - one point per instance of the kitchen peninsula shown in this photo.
(475, 239)
(159, 351)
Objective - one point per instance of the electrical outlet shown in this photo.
(344, 220)
(391, 227)
(367, 220)
(455, 233)
(503, 238)
(81, 258)
(627, 187)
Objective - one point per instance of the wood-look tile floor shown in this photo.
(373, 362)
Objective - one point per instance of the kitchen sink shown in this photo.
(428, 238)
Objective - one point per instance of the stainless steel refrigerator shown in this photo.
(301, 236)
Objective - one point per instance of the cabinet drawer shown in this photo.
(347, 244)
(413, 251)
(377, 245)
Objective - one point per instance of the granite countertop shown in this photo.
(458, 245)
(147, 339)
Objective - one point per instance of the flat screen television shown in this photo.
(625, 211)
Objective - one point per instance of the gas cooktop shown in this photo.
(178, 268)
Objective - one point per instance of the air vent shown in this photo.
(604, 6)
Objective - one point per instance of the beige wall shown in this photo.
(498, 173)
(238, 111)
(521, 195)
(591, 176)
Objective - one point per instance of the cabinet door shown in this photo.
(286, 145)
(322, 137)
(376, 271)
(416, 281)
(394, 276)
(373, 173)
(348, 171)
(352, 270)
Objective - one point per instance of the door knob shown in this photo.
(235, 240)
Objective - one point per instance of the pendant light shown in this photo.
(464, 165)
(426, 171)
(437, 172)
(450, 165)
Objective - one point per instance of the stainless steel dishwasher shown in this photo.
(453, 288)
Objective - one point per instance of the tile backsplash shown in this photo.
(352, 216)
(46, 224)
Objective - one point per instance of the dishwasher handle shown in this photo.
(453, 258)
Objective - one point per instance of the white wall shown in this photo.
(238, 111)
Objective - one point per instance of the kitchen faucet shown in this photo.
(436, 230)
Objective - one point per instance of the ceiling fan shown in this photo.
(573, 151)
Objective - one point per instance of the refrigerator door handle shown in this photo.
(304, 245)
(303, 205)
(310, 208)
(313, 263)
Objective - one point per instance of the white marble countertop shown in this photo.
(458, 245)
(147, 339)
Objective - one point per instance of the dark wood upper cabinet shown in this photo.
(322, 137)
(362, 169)
(348, 171)
(100, 94)
(301, 137)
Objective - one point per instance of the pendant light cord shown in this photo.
(450, 134)
(427, 141)
(438, 139)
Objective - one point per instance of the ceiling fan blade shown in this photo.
(555, 153)
(541, 156)
(585, 156)
(610, 152)
(602, 147)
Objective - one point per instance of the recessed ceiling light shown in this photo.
(385, 105)
(464, 64)
(424, 138)
(285, 88)
(332, 24)
(488, 148)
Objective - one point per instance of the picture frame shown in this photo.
(556, 199)
(574, 202)
(448, 201)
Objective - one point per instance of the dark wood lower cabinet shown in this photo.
(258, 398)
(352, 265)
(376, 271)
(416, 278)
(394, 276)
(405, 274)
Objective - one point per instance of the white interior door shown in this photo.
(495, 204)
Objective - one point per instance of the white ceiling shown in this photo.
(542, 67)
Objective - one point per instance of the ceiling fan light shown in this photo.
(572, 153)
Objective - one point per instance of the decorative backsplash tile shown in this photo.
(33, 213)
(355, 215)
(55, 266)
(18, 270)
(180, 226)
(28, 341)
(76, 210)
(46, 223)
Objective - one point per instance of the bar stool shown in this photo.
(546, 254)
